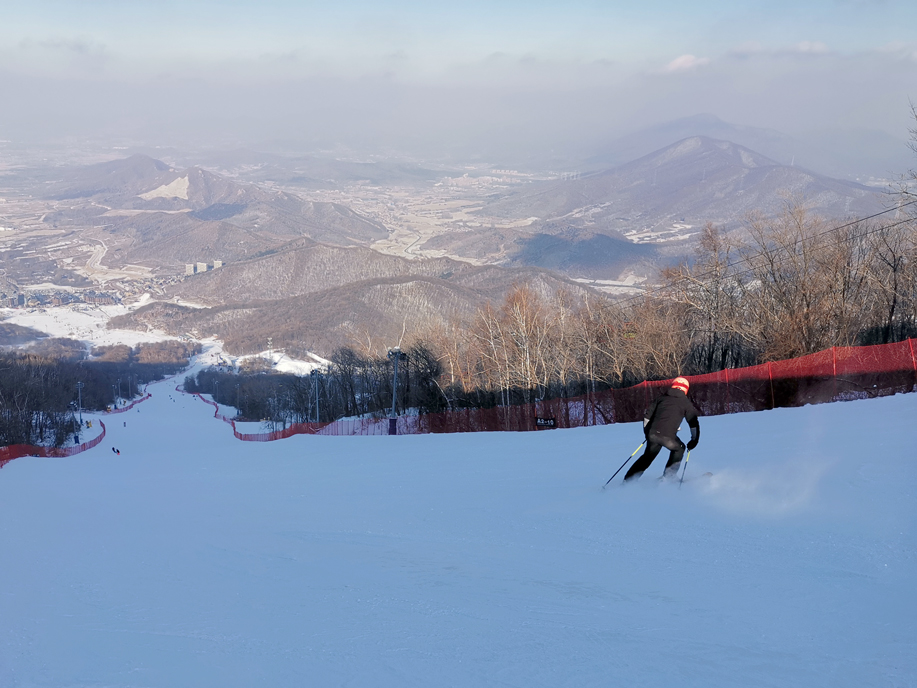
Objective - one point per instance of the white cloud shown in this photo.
(685, 63)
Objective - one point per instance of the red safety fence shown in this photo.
(216, 413)
(838, 374)
(130, 405)
(16, 451)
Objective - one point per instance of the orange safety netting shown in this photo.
(838, 374)
(15, 451)
(130, 405)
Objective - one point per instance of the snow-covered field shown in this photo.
(193, 559)
(83, 322)
(89, 324)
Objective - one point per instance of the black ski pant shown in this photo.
(654, 444)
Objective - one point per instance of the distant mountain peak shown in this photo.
(706, 146)
(668, 193)
(849, 153)
(138, 164)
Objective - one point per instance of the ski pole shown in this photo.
(624, 464)
(685, 470)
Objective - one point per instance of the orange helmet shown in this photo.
(681, 383)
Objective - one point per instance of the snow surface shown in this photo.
(281, 362)
(193, 559)
(84, 322)
(89, 324)
(177, 188)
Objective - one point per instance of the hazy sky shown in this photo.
(389, 75)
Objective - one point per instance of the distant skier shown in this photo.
(660, 425)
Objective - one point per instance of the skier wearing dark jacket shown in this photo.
(660, 425)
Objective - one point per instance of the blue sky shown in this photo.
(349, 37)
(788, 65)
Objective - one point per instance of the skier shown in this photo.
(660, 425)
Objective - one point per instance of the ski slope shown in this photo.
(193, 559)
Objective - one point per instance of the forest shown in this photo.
(41, 395)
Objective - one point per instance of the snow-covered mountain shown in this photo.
(693, 181)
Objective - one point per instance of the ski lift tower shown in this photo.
(395, 354)
(316, 376)
(79, 396)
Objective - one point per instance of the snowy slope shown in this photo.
(193, 559)
(83, 322)
(89, 324)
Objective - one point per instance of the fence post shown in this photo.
(770, 375)
(910, 342)
(728, 395)
(834, 359)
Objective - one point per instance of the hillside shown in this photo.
(471, 559)
(374, 313)
(641, 215)
(161, 217)
(128, 176)
(169, 240)
(692, 182)
(303, 267)
(141, 182)
(310, 172)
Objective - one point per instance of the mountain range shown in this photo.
(369, 314)
(699, 179)
(303, 272)
(644, 212)
(151, 214)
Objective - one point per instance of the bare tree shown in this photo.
(710, 289)
(893, 281)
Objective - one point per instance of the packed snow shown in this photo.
(491, 559)
(85, 322)
(177, 188)
(90, 324)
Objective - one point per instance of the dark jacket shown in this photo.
(666, 413)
